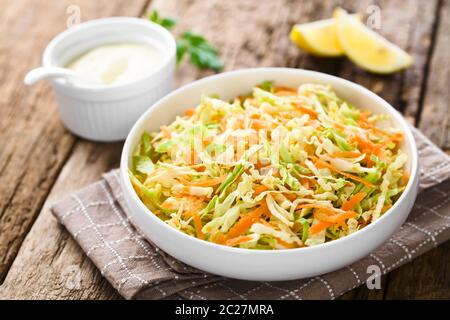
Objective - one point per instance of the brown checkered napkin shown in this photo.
(96, 217)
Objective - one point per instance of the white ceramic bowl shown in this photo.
(108, 113)
(262, 265)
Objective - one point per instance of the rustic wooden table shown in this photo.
(40, 161)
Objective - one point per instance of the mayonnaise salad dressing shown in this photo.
(114, 64)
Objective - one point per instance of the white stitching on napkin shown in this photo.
(90, 226)
(330, 290)
(231, 290)
(383, 267)
(270, 285)
(358, 280)
(298, 289)
(289, 292)
(112, 262)
(86, 214)
(401, 245)
(76, 209)
(120, 216)
(395, 264)
(197, 294)
(255, 288)
(428, 233)
(428, 210)
(98, 246)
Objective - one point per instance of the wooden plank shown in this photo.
(428, 277)
(435, 118)
(246, 39)
(420, 46)
(50, 264)
(34, 144)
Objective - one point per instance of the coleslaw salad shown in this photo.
(281, 168)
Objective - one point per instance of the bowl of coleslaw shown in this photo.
(269, 174)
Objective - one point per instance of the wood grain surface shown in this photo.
(435, 117)
(50, 264)
(34, 143)
(40, 161)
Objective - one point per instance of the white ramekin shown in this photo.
(107, 113)
(265, 265)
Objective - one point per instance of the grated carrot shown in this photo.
(369, 161)
(194, 204)
(308, 111)
(167, 205)
(345, 154)
(386, 207)
(286, 244)
(166, 132)
(259, 189)
(246, 221)
(396, 137)
(191, 157)
(198, 224)
(405, 178)
(237, 240)
(364, 123)
(316, 228)
(283, 89)
(290, 196)
(323, 164)
(259, 124)
(285, 93)
(189, 112)
(337, 218)
(220, 238)
(368, 146)
(309, 149)
(325, 209)
(353, 201)
(305, 183)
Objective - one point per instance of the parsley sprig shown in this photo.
(166, 22)
(201, 53)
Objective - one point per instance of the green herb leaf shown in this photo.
(154, 16)
(181, 50)
(167, 22)
(201, 53)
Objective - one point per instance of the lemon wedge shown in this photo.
(317, 38)
(367, 48)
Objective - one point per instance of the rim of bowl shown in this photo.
(47, 59)
(413, 153)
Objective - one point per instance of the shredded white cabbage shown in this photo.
(280, 168)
